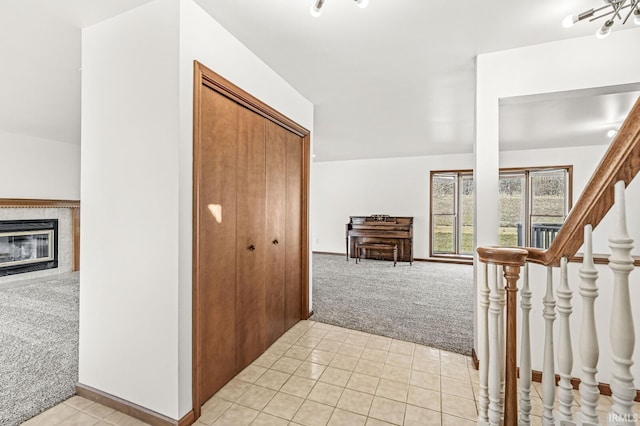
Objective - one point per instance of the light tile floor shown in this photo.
(78, 411)
(318, 374)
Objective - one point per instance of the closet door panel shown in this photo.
(276, 180)
(250, 252)
(217, 242)
(293, 291)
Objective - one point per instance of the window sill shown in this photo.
(458, 259)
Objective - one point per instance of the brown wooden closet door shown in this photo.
(216, 241)
(276, 180)
(250, 251)
(293, 291)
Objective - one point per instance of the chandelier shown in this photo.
(317, 6)
(620, 9)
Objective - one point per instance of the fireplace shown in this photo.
(28, 245)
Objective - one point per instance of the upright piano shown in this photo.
(382, 229)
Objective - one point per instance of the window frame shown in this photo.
(457, 237)
(528, 201)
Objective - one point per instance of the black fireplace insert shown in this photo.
(28, 245)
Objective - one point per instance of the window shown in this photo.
(533, 203)
(546, 201)
(511, 208)
(452, 213)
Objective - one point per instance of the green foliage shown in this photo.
(511, 209)
(443, 239)
(508, 237)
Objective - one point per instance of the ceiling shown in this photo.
(576, 118)
(394, 79)
(40, 73)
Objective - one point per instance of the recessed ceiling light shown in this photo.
(611, 133)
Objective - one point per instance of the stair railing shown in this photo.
(498, 392)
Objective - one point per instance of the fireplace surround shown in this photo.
(67, 213)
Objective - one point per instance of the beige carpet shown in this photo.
(427, 303)
(38, 346)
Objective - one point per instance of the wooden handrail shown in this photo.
(620, 162)
(503, 255)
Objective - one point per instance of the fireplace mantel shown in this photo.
(74, 205)
(38, 203)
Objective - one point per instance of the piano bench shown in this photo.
(377, 246)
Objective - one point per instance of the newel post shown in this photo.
(511, 260)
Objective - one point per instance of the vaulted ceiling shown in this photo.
(394, 79)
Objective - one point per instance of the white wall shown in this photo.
(579, 63)
(135, 337)
(204, 39)
(603, 310)
(45, 169)
(129, 276)
(38, 168)
(393, 186)
(339, 193)
(400, 186)
(584, 160)
(573, 64)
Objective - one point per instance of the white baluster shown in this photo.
(483, 347)
(565, 350)
(502, 321)
(495, 351)
(548, 370)
(589, 349)
(525, 352)
(622, 333)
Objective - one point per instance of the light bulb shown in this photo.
(636, 17)
(315, 10)
(569, 21)
(362, 3)
(605, 30)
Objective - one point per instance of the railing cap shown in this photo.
(511, 256)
